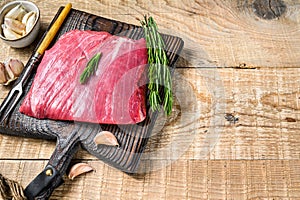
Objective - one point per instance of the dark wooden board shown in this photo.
(132, 138)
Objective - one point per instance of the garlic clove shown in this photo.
(16, 66)
(9, 72)
(3, 78)
(9, 34)
(30, 22)
(15, 25)
(17, 12)
(78, 169)
(106, 138)
(26, 17)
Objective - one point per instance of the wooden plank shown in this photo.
(265, 101)
(183, 179)
(229, 32)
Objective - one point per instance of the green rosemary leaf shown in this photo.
(158, 72)
(90, 68)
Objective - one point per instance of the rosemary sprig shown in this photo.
(158, 72)
(90, 68)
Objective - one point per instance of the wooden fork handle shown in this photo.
(54, 29)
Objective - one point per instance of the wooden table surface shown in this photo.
(234, 132)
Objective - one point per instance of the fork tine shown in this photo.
(13, 105)
(7, 100)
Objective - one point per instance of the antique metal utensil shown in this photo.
(16, 92)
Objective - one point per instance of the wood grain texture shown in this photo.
(255, 60)
(214, 179)
(267, 108)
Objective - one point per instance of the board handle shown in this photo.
(51, 177)
(44, 184)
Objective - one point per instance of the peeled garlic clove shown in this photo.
(30, 22)
(79, 168)
(16, 66)
(3, 78)
(9, 34)
(15, 25)
(16, 13)
(26, 17)
(106, 138)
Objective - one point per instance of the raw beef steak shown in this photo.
(115, 94)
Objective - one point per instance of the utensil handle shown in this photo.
(51, 177)
(54, 28)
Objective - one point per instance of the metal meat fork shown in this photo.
(33, 63)
(18, 88)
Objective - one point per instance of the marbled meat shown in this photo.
(115, 94)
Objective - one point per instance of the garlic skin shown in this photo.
(10, 71)
(106, 138)
(78, 169)
(3, 78)
(16, 66)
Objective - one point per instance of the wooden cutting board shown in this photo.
(132, 138)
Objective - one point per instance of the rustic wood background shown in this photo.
(234, 132)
